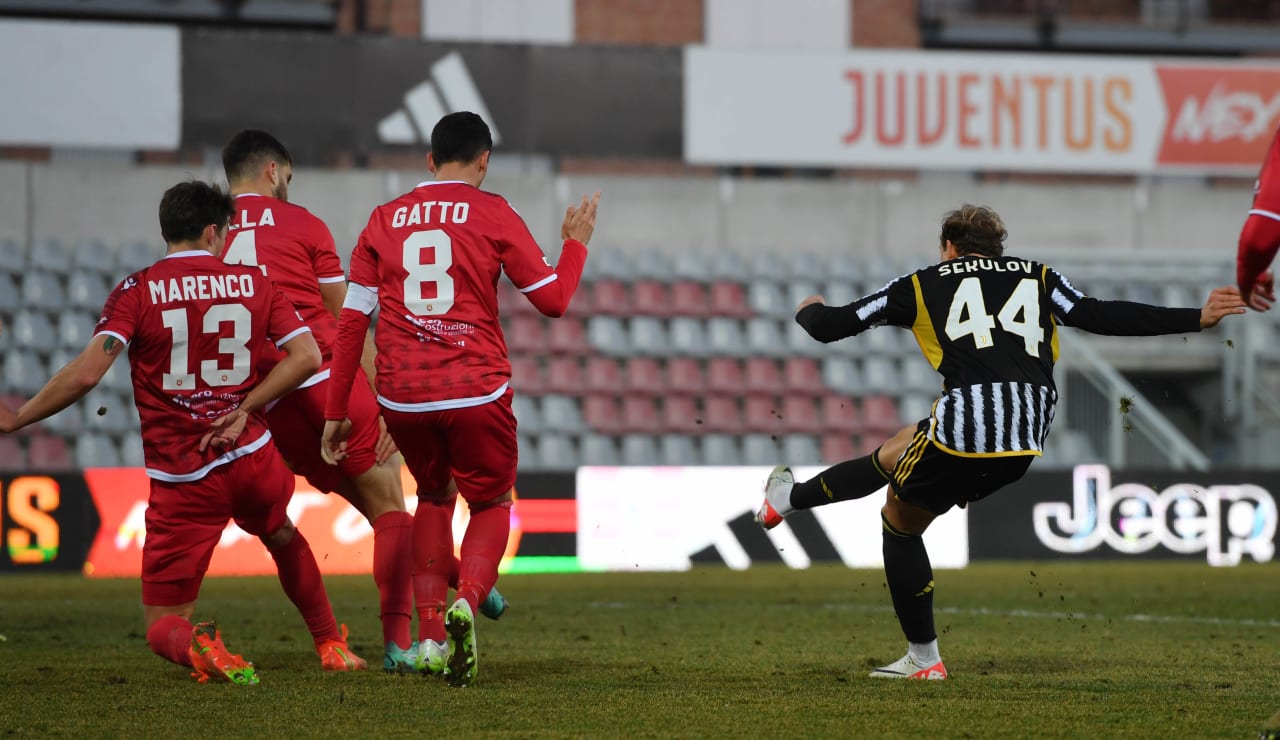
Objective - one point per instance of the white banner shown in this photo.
(976, 111)
(100, 85)
(665, 518)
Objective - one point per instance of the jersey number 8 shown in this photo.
(428, 255)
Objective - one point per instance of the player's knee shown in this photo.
(504, 500)
(378, 491)
(280, 537)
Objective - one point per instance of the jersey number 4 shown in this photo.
(428, 255)
(179, 377)
(1020, 315)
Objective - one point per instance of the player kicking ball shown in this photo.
(431, 260)
(196, 331)
(988, 324)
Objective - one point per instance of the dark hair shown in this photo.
(249, 150)
(974, 230)
(188, 207)
(460, 137)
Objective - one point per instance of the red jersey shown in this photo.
(432, 258)
(1260, 237)
(196, 330)
(295, 249)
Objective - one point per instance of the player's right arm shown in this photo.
(549, 290)
(353, 329)
(67, 386)
(1260, 236)
(893, 304)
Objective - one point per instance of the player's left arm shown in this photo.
(893, 304)
(67, 386)
(1133, 319)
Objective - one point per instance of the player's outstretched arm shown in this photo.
(551, 294)
(67, 386)
(1222, 302)
(301, 360)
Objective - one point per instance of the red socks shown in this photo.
(300, 577)
(482, 550)
(434, 563)
(170, 638)
(393, 572)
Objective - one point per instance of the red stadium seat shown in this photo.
(644, 376)
(600, 412)
(761, 414)
(526, 375)
(49, 453)
(680, 415)
(690, 299)
(603, 376)
(800, 415)
(640, 415)
(684, 375)
(729, 299)
(608, 298)
(839, 447)
(12, 456)
(526, 334)
(802, 375)
(880, 416)
(840, 415)
(564, 375)
(511, 302)
(724, 375)
(649, 298)
(761, 375)
(720, 414)
(568, 336)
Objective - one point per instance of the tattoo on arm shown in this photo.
(111, 345)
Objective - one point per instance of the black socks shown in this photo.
(910, 578)
(841, 482)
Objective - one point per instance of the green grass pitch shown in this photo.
(1034, 649)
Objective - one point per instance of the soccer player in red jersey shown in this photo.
(1260, 237)
(295, 250)
(431, 260)
(196, 329)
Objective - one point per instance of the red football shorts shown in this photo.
(185, 521)
(476, 446)
(297, 424)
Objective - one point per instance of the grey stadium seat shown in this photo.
(766, 298)
(800, 449)
(691, 265)
(119, 416)
(96, 451)
(23, 372)
(647, 336)
(687, 337)
(13, 258)
(87, 289)
(561, 414)
(724, 337)
(720, 449)
(75, 329)
(843, 375)
(639, 449)
(134, 256)
(94, 256)
(607, 264)
(800, 343)
(598, 449)
(556, 452)
(678, 449)
(760, 449)
(651, 265)
(50, 254)
(131, 451)
(765, 338)
(34, 331)
(117, 378)
(728, 265)
(10, 299)
(43, 290)
(528, 418)
(527, 453)
(67, 422)
(606, 334)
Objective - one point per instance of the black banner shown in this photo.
(323, 94)
(1222, 517)
(47, 522)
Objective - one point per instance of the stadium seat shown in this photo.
(760, 449)
(33, 330)
(560, 414)
(800, 415)
(640, 415)
(650, 298)
(131, 451)
(720, 449)
(511, 302)
(75, 329)
(568, 336)
(883, 340)
(840, 415)
(721, 414)
(770, 266)
(684, 375)
(43, 290)
(880, 415)
(601, 413)
(96, 451)
(842, 375)
(87, 290)
(879, 375)
(608, 298)
(607, 264)
(724, 337)
(118, 414)
(50, 255)
(761, 414)
(643, 375)
(801, 375)
(13, 258)
(680, 414)
(690, 299)
(526, 334)
(564, 375)
(117, 378)
(67, 422)
(915, 406)
(525, 409)
(598, 449)
(688, 337)
(13, 458)
(647, 336)
(841, 292)
(526, 375)
(602, 375)
(678, 449)
(798, 342)
(916, 375)
(640, 449)
(836, 448)
(765, 298)
(650, 265)
(800, 449)
(728, 265)
(761, 375)
(24, 372)
(606, 334)
(724, 375)
(556, 452)
(805, 266)
(842, 265)
(691, 265)
(527, 454)
(49, 453)
(798, 290)
(10, 297)
(134, 256)
(765, 338)
(728, 299)
(92, 256)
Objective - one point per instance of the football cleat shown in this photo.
(336, 655)
(211, 659)
(1271, 728)
(431, 657)
(494, 605)
(396, 659)
(907, 667)
(777, 497)
(460, 627)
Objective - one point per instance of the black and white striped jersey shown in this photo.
(988, 325)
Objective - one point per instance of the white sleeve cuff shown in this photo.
(544, 281)
(361, 298)
(334, 279)
(285, 340)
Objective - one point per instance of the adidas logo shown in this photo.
(747, 544)
(449, 89)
